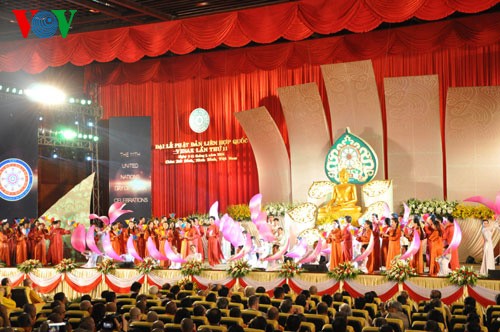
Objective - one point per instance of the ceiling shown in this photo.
(107, 14)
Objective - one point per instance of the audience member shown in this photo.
(432, 326)
(214, 316)
(187, 325)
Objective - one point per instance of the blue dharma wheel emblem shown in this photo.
(16, 179)
(355, 155)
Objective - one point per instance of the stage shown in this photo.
(89, 281)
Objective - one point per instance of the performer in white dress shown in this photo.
(444, 262)
(488, 254)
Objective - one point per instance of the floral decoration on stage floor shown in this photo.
(29, 265)
(463, 276)
(238, 268)
(147, 265)
(344, 271)
(191, 268)
(65, 266)
(289, 269)
(186, 280)
(106, 266)
(400, 270)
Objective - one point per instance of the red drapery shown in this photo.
(463, 52)
(292, 21)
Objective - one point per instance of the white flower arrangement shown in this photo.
(278, 209)
(434, 206)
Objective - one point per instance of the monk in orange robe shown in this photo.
(364, 239)
(335, 240)
(394, 247)
(435, 242)
(21, 244)
(214, 249)
(55, 254)
(449, 230)
(38, 236)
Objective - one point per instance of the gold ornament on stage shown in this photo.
(310, 235)
(320, 189)
(303, 213)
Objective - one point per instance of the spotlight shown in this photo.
(96, 138)
(83, 101)
(84, 136)
(7, 90)
(40, 118)
(71, 100)
(54, 155)
(90, 124)
(20, 91)
(88, 158)
(80, 135)
(90, 136)
(45, 94)
(1, 87)
(14, 90)
(76, 123)
(89, 102)
(68, 134)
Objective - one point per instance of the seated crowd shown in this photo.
(218, 309)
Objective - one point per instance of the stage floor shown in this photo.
(89, 281)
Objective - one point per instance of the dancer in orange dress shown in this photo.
(435, 243)
(21, 244)
(141, 243)
(214, 249)
(335, 240)
(116, 238)
(413, 227)
(385, 241)
(187, 239)
(364, 239)
(38, 235)
(394, 247)
(200, 233)
(449, 230)
(55, 254)
(162, 236)
(150, 232)
(4, 245)
(376, 242)
(347, 240)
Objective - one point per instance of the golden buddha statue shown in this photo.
(343, 202)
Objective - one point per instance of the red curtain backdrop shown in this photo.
(463, 52)
(292, 21)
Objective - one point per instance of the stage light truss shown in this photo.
(81, 115)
